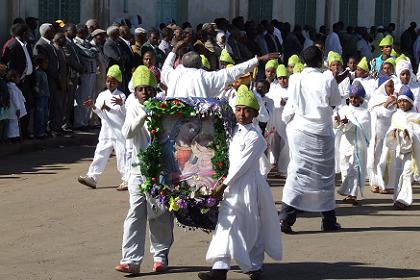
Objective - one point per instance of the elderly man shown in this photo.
(85, 91)
(92, 25)
(45, 47)
(75, 68)
(139, 39)
(191, 80)
(125, 46)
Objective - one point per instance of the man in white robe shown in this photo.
(310, 184)
(190, 80)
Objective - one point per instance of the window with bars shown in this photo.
(259, 10)
(67, 10)
(382, 12)
(305, 12)
(348, 12)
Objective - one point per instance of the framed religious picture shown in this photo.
(187, 157)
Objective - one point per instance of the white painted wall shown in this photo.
(207, 11)
(284, 11)
(366, 13)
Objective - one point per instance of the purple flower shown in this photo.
(182, 203)
(211, 201)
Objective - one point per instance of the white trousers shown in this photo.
(103, 151)
(161, 229)
(83, 92)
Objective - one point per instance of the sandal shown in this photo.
(375, 189)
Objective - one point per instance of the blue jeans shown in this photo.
(41, 115)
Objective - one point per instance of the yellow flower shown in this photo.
(173, 206)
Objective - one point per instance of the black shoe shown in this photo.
(255, 275)
(285, 227)
(214, 274)
(331, 227)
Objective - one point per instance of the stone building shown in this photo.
(312, 12)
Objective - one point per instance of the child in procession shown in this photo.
(353, 125)
(247, 225)
(402, 145)
(109, 106)
(161, 237)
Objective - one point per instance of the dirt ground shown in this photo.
(54, 228)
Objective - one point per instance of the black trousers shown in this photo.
(289, 214)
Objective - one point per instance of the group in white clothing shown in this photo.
(306, 121)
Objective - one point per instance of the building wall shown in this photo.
(198, 11)
(207, 11)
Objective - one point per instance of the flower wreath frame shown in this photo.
(190, 209)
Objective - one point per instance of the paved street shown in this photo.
(54, 228)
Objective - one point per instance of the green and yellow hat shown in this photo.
(401, 57)
(226, 57)
(386, 41)
(115, 72)
(293, 60)
(281, 71)
(205, 62)
(142, 76)
(391, 61)
(298, 68)
(394, 53)
(333, 56)
(363, 64)
(245, 97)
(273, 63)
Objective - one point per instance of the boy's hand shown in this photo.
(345, 120)
(89, 103)
(337, 118)
(406, 134)
(218, 191)
(394, 133)
(283, 102)
(117, 101)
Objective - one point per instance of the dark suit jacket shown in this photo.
(14, 56)
(72, 59)
(42, 47)
(113, 53)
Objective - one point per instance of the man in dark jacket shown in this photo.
(17, 56)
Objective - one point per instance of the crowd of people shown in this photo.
(308, 105)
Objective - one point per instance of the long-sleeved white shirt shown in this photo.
(192, 82)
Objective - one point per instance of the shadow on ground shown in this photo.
(339, 270)
(43, 162)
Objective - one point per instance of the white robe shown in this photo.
(353, 138)
(192, 82)
(17, 103)
(279, 148)
(310, 184)
(380, 122)
(248, 221)
(404, 152)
